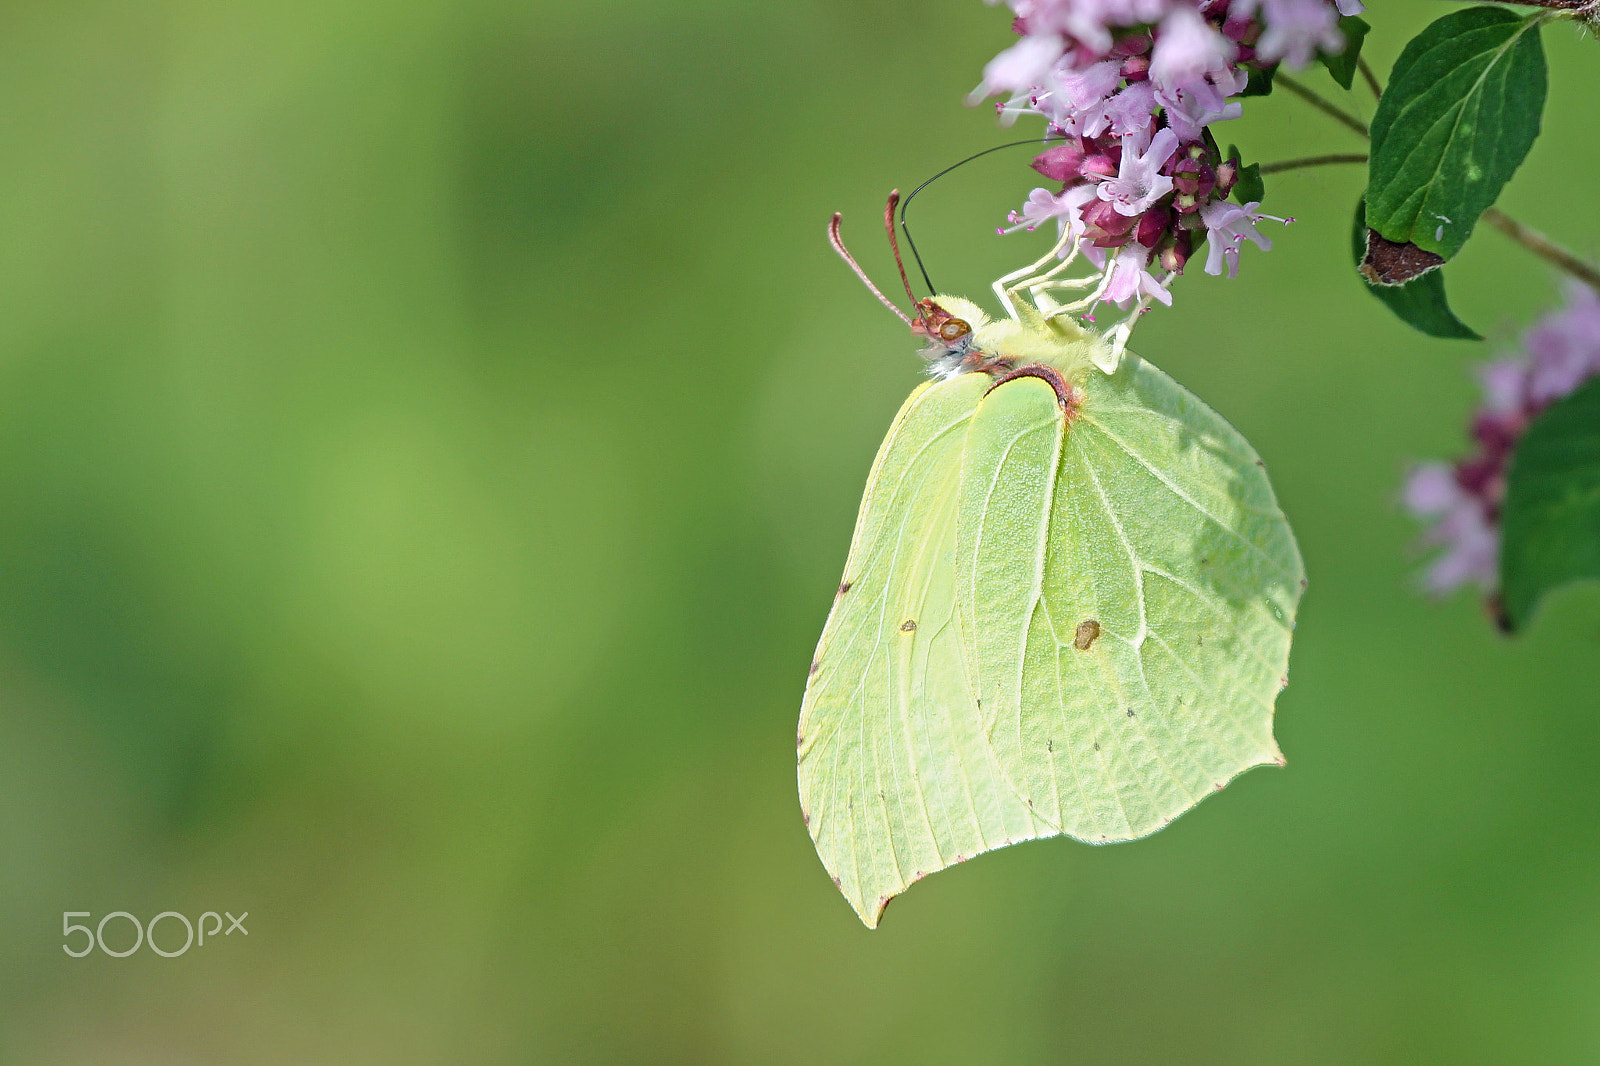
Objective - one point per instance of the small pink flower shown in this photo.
(1194, 105)
(1130, 276)
(1229, 225)
(1564, 348)
(1139, 182)
(1131, 110)
(1043, 206)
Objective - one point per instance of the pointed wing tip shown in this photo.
(870, 912)
(872, 915)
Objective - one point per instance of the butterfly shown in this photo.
(1066, 610)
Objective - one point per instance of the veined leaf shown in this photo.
(1461, 111)
(1248, 188)
(1344, 65)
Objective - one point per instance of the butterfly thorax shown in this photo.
(962, 339)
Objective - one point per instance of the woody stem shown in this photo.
(1543, 247)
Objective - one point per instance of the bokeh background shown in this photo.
(429, 439)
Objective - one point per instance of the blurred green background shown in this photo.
(429, 439)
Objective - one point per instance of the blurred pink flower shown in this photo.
(1559, 352)
(1188, 48)
(1297, 29)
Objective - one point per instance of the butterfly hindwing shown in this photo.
(1131, 600)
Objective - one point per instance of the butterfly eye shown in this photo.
(953, 330)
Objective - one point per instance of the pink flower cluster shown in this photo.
(1132, 86)
(1558, 354)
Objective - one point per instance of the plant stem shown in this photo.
(1318, 102)
(1543, 247)
(1312, 161)
(1372, 79)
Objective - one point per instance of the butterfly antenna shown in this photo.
(906, 203)
(894, 246)
(838, 246)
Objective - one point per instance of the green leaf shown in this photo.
(1258, 80)
(1050, 623)
(1343, 66)
(1461, 111)
(1420, 303)
(1551, 516)
(1248, 188)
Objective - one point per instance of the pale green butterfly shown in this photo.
(1066, 610)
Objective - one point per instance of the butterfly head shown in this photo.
(949, 326)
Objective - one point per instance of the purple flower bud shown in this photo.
(1497, 433)
(1152, 226)
(1227, 174)
(1186, 202)
(1478, 475)
(1105, 226)
(1061, 163)
(1177, 253)
(1099, 167)
(1192, 177)
(1136, 68)
(1242, 30)
(1133, 44)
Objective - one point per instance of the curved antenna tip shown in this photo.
(838, 246)
(894, 246)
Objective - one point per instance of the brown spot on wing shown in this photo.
(908, 626)
(1087, 633)
(844, 586)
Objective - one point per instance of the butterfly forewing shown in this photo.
(897, 778)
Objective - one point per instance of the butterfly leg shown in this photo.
(1008, 285)
(1102, 283)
